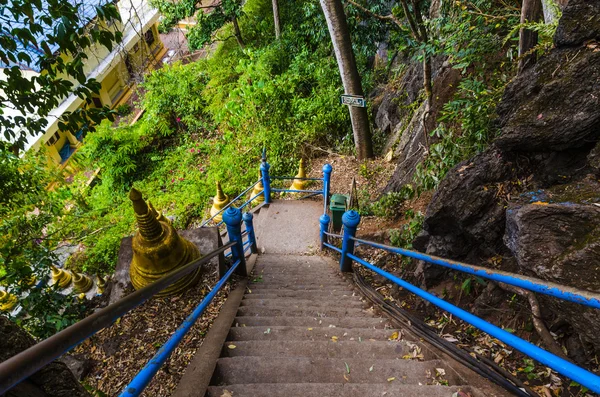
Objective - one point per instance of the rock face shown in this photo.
(533, 197)
(55, 380)
(561, 243)
(407, 128)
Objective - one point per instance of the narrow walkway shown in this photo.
(302, 330)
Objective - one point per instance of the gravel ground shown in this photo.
(120, 351)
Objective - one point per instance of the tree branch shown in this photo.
(536, 316)
(387, 18)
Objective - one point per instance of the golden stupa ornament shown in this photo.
(158, 249)
(219, 201)
(300, 184)
(258, 188)
(100, 285)
(82, 283)
(7, 301)
(61, 277)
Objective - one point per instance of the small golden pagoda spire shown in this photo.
(60, 276)
(100, 285)
(82, 283)
(219, 201)
(299, 184)
(257, 189)
(149, 225)
(7, 301)
(158, 249)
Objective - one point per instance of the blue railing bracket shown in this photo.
(233, 220)
(247, 217)
(327, 169)
(324, 222)
(350, 220)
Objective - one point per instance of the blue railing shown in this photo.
(351, 220)
(267, 190)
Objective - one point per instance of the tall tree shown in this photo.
(276, 19)
(412, 13)
(531, 11)
(211, 18)
(342, 45)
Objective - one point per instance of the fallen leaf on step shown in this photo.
(334, 338)
(394, 336)
(268, 331)
(371, 368)
(347, 378)
(347, 367)
(226, 393)
(310, 329)
(393, 378)
(231, 346)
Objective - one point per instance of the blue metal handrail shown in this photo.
(143, 378)
(575, 295)
(351, 219)
(21, 366)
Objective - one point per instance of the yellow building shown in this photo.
(117, 71)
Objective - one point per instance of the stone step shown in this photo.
(388, 389)
(317, 277)
(232, 370)
(264, 289)
(307, 333)
(299, 270)
(303, 303)
(286, 312)
(365, 350)
(271, 288)
(303, 294)
(343, 322)
(300, 284)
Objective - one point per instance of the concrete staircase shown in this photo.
(301, 329)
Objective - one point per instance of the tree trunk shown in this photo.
(276, 19)
(530, 12)
(340, 37)
(238, 33)
(551, 10)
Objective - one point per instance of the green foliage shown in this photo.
(57, 24)
(404, 236)
(124, 109)
(390, 204)
(472, 37)
(31, 222)
(173, 101)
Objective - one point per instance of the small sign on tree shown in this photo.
(353, 100)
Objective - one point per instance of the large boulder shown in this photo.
(554, 105)
(533, 196)
(54, 380)
(580, 23)
(560, 243)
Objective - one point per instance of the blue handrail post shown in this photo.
(266, 180)
(247, 217)
(350, 220)
(326, 184)
(324, 221)
(232, 217)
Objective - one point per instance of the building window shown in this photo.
(149, 37)
(97, 102)
(53, 139)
